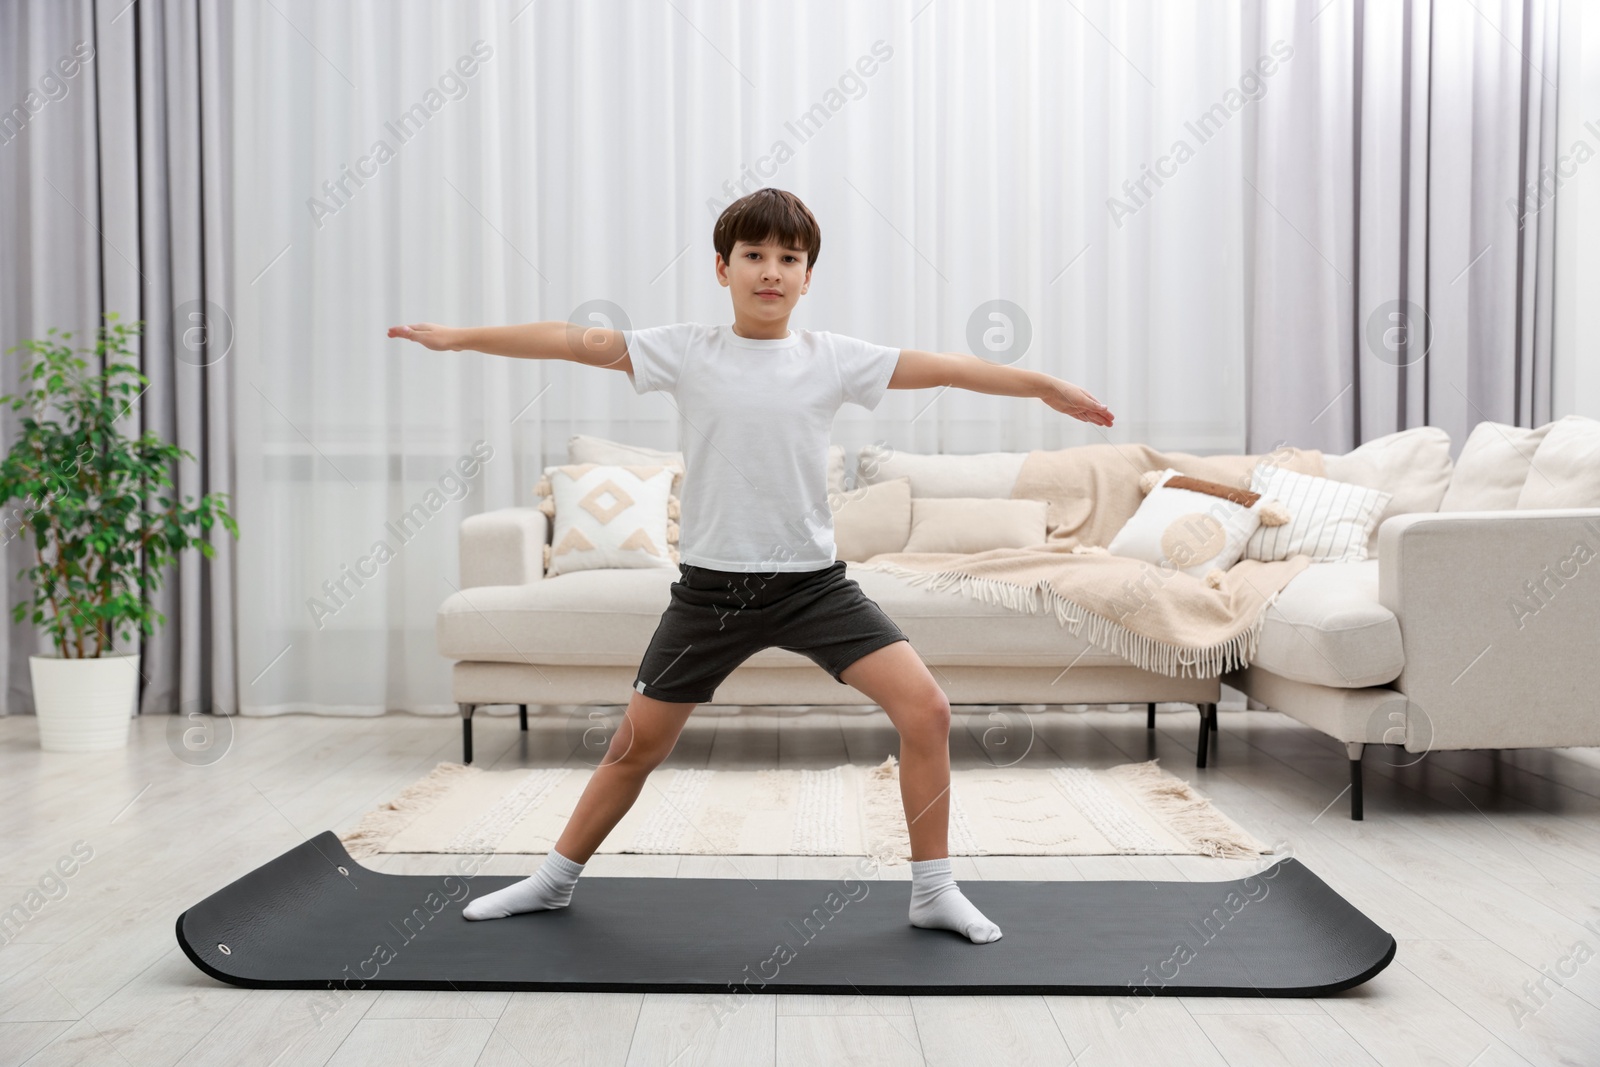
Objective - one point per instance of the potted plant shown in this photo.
(99, 548)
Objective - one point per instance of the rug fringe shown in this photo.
(1148, 653)
(383, 822)
(1190, 815)
(883, 816)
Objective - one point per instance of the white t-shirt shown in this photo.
(754, 418)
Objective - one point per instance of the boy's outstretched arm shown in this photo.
(591, 345)
(924, 370)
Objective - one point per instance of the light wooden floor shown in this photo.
(1485, 868)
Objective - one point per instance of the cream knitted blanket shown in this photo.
(1157, 618)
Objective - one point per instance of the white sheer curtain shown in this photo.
(583, 159)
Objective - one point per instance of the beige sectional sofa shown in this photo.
(1420, 646)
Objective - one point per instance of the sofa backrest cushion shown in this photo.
(872, 519)
(586, 448)
(975, 524)
(1492, 467)
(985, 474)
(1413, 466)
(1565, 469)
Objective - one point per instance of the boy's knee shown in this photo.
(637, 756)
(929, 721)
(641, 749)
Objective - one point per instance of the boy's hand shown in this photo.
(428, 335)
(1077, 402)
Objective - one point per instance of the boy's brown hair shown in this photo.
(764, 214)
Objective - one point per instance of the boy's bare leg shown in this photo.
(895, 678)
(649, 730)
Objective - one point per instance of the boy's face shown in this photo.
(767, 279)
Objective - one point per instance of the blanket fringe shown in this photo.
(383, 822)
(1161, 657)
(1188, 814)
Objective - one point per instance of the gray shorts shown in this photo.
(718, 619)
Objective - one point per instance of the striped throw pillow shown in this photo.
(1329, 521)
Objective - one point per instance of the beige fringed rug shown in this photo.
(1132, 809)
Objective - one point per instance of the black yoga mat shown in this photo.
(315, 919)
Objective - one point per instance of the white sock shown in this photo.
(938, 903)
(548, 887)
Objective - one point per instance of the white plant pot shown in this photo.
(84, 705)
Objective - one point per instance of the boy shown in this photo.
(756, 402)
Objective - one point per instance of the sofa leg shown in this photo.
(1208, 727)
(524, 708)
(1150, 717)
(466, 731)
(1354, 750)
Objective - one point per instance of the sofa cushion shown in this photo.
(986, 474)
(872, 519)
(1328, 628)
(606, 617)
(974, 524)
(1412, 466)
(1492, 467)
(587, 448)
(593, 617)
(1565, 469)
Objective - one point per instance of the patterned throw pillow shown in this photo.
(1192, 525)
(586, 448)
(609, 515)
(1331, 520)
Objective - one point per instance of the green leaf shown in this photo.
(81, 489)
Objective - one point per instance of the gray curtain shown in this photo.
(113, 197)
(1403, 244)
